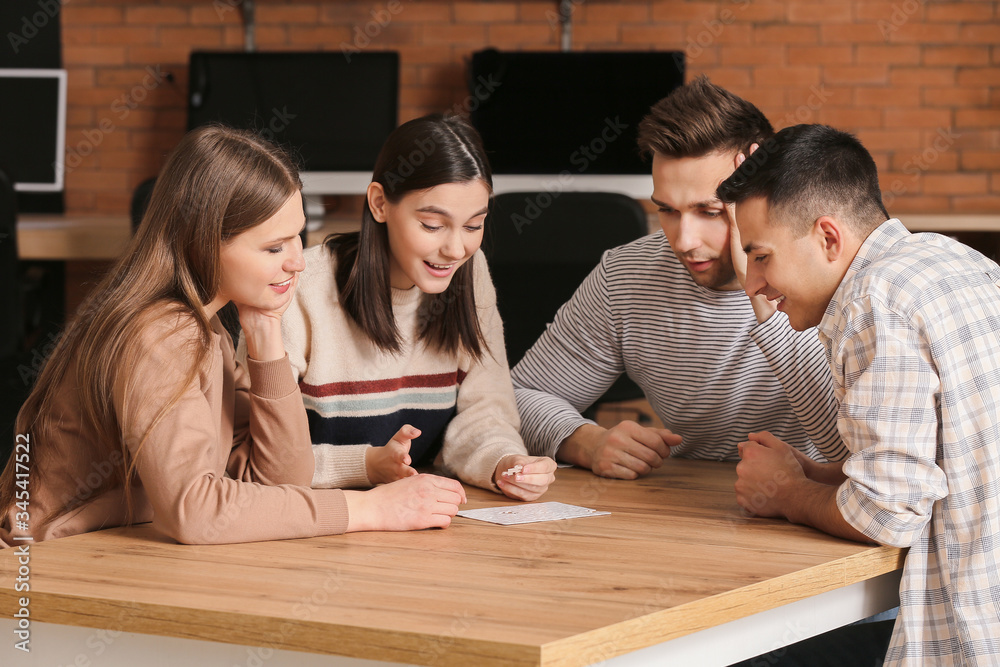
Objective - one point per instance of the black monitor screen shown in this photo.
(332, 113)
(545, 113)
(31, 127)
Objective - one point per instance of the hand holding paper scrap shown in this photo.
(509, 515)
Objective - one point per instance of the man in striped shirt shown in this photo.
(911, 327)
(669, 310)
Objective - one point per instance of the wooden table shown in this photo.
(675, 564)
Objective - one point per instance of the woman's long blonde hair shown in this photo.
(217, 183)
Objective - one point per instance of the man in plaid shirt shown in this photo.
(911, 325)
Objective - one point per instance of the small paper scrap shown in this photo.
(509, 515)
(512, 471)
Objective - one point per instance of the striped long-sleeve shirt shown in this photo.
(914, 339)
(711, 373)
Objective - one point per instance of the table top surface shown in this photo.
(676, 555)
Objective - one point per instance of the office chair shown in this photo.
(540, 247)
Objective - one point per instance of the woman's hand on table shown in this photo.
(414, 503)
(528, 483)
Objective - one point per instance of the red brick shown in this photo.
(972, 160)
(761, 11)
(897, 184)
(77, 116)
(76, 36)
(695, 11)
(603, 12)
(124, 35)
(786, 34)
(956, 55)
(856, 74)
(983, 204)
(156, 15)
(93, 55)
(929, 160)
(786, 76)
(422, 55)
(128, 160)
(979, 76)
(917, 204)
(955, 184)
(979, 34)
(849, 119)
(265, 35)
(454, 35)
(906, 55)
(702, 35)
(816, 12)
(87, 179)
(887, 97)
(854, 33)
(413, 11)
(285, 14)
(213, 14)
(661, 36)
(956, 97)
(506, 35)
(153, 141)
(727, 76)
(73, 14)
(752, 55)
(196, 37)
(595, 33)
(886, 12)
(820, 55)
(890, 139)
(977, 118)
(961, 11)
(918, 118)
(163, 55)
(922, 76)
(912, 32)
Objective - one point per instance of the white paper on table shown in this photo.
(509, 515)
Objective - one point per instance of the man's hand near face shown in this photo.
(762, 308)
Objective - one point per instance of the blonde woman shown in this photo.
(142, 412)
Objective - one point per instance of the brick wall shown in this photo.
(919, 81)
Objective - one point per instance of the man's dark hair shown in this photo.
(701, 118)
(807, 171)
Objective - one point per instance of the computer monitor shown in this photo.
(33, 128)
(573, 113)
(333, 114)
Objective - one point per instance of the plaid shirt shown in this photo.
(913, 338)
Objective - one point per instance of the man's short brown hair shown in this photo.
(700, 118)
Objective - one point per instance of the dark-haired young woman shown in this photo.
(394, 333)
(142, 412)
